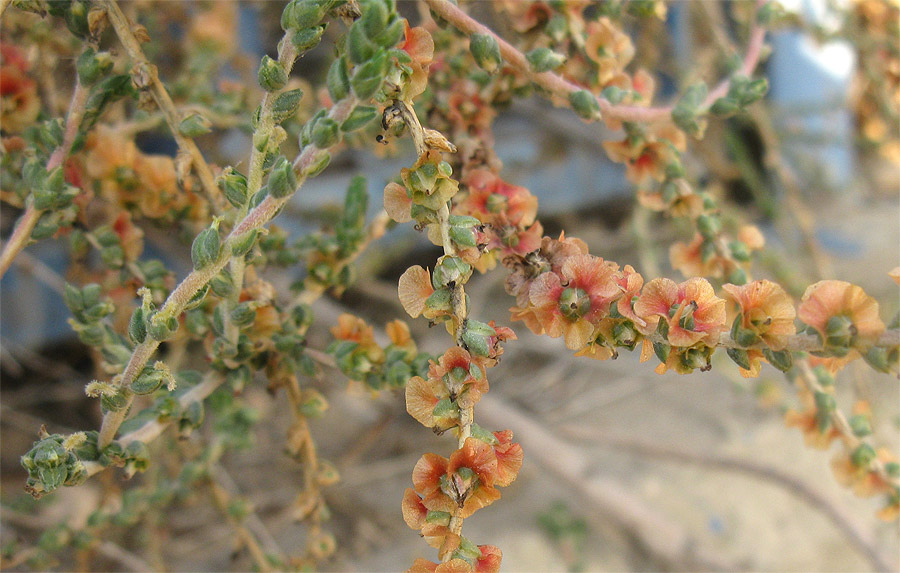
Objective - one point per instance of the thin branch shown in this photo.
(839, 421)
(21, 235)
(196, 279)
(149, 74)
(4, 4)
(561, 88)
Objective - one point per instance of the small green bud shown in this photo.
(308, 38)
(338, 80)
(222, 284)
(91, 334)
(486, 52)
(282, 179)
(161, 326)
(825, 406)
(709, 226)
(463, 236)
(300, 14)
(271, 76)
(374, 18)
(544, 59)
(76, 18)
(661, 350)
(205, 248)
(754, 91)
(194, 125)
(241, 245)
(574, 303)
(234, 186)
(724, 107)
(368, 76)
(863, 456)
(780, 359)
(260, 141)
(325, 133)
(91, 66)
(879, 358)
(137, 328)
(439, 300)
(390, 36)
(355, 203)
(860, 425)
(475, 337)
(740, 357)
(286, 105)
(438, 517)
(244, 313)
(359, 47)
(148, 381)
(73, 298)
(613, 94)
(739, 251)
(743, 336)
(197, 299)
(191, 417)
(318, 164)
(359, 117)
(239, 378)
(738, 276)
(585, 104)
(823, 376)
(114, 402)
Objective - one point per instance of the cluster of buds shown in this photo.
(589, 44)
(55, 460)
(360, 358)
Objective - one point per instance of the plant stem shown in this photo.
(287, 55)
(22, 233)
(148, 76)
(839, 421)
(194, 281)
(561, 88)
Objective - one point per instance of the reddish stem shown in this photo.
(560, 87)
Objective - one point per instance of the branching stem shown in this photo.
(149, 76)
(22, 233)
(560, 87)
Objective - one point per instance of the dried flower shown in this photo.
(646, 157)
(842, 314)
(571, 303)
(691, 310)
(766, 311)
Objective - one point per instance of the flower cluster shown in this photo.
(458, 487)
(361, 359)
(19, 100)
